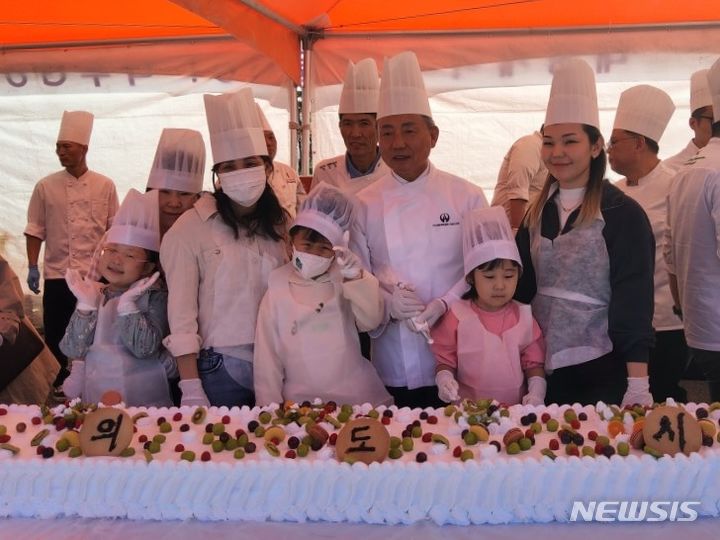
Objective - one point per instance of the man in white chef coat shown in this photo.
(642, 115)
(701, 119)
(408, 233)
(361, 164)
(692, 245)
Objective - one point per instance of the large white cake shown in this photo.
(428, 482)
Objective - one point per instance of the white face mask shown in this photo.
(309, 265)
(244, 186)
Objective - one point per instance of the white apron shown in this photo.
(573, 294)
(110, 366)
(321, 348)
(489, 365)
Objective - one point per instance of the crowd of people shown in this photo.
(568, 289)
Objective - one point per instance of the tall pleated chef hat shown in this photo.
(76, 126)
(328, 211)
(713, 78)
(644, 109)
(402, 89)
(235, 127)
(137, 222)
(263, 118)
(699, 90)
(361, 88)
(573, 96)
(487, 236)
(179, 162)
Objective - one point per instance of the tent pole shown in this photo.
(306, 108)
(293, 104)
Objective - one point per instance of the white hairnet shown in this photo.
(328, 211)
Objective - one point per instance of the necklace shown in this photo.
(570, 208)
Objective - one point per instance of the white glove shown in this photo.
(347, 261)
(193, 394)
(447, 386)
(75, 382)
(638, 392)
(536, 391)
(126, 302)
(86, 291)
(432, 312)
(404, 303)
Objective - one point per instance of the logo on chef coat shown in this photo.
(444, 220)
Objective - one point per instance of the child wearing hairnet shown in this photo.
(306, 342)
(488, 345)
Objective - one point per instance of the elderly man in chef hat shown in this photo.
(701, 120)
(642, 115)
(361, 164)
(408, 234)
(69, 210)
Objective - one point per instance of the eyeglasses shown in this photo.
(613, 143)
(127, 257)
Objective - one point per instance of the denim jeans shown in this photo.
(220, 388)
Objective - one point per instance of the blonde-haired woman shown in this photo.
(588, 258)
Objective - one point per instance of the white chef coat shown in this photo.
(410, 232)
(651, 193)
(678, 160)
(334, 171)
(523, 173)
(693, 238)
(287, 187)
(215, 281)
(70, 215)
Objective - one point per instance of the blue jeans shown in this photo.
(220, 388)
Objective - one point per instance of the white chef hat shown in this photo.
(328, 211)
(713, 78)
(76, 126)
(699, 90)
(361, 88)
(487, 236)
(263, 118)
(235, 127)
(179, 162)
(137, 222)
(402, 89)
(644, 109)
(573, 96)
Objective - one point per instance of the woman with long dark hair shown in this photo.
(588, 258)
(217, 259)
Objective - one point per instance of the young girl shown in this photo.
(306, 344)
(217, 259)
(115, 334)
(488, 345)
(588, 257)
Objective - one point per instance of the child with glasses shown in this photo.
(115, 334)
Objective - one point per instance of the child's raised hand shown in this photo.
(86, 291)
(126, 303)
(347, 261)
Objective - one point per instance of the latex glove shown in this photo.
(536, 391)
(447, 386)
(420, 327)
(432, 312)
(404, 303)
(193, 394)
(347, 261)
(86, 291)
(74, 383)
(33, 279)
(638, 392)
(126, 302)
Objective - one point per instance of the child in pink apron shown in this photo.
(488, 345)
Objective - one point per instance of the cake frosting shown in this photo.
(274, 482)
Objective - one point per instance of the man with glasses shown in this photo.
(701, 120)
(642, 116)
